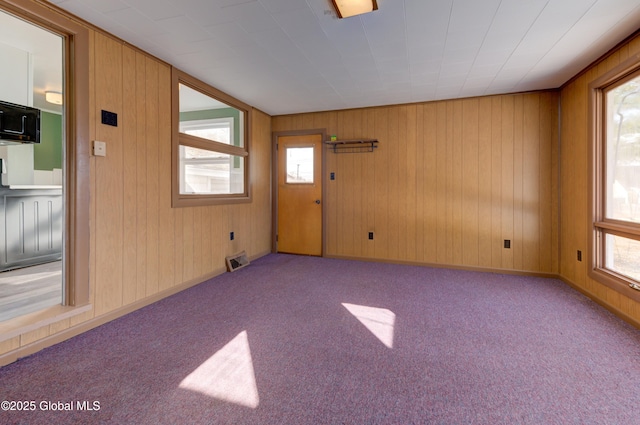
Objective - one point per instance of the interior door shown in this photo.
(300, 194)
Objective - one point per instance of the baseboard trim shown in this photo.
(621, 314)
(448, 266)
(261, 254)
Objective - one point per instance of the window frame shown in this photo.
(188, 200)
(600, 224)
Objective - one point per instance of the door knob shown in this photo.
(318, 201)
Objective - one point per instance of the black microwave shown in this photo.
(19, 124)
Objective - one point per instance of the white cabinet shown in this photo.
(16, 76)
(16, 86)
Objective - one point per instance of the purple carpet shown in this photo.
(305, 340)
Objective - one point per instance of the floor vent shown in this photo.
(237, 261)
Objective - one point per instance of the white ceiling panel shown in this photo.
(105, 6)
(204, 13)
(470, 16)
(288, 56)
(279, 6)
(233, 36)
(137, 23)
(426, 36)
(184, 29)
(156, 9)
(251, 17)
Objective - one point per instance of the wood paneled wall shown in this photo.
(576, 228)
(449, 182)
(140, 247)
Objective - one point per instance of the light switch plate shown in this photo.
(99, 148)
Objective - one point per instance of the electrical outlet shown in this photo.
(507, 243)
(370, 235)
(231, 236)
(99, 148)
(579, 255)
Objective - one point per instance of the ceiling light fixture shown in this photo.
(348, 8)
(54, 97)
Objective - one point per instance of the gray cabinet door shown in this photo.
(33, 228)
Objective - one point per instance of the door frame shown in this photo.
(275, 135)
(77, 166)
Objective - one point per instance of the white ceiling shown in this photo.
(288, 56)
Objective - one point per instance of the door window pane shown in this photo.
(300, 165)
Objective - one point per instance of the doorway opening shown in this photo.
(32, 192)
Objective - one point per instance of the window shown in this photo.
(211, 152)
(616, 178)
(208, 172)
(299, 165)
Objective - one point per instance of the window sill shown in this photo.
(181, 201)
(618, 284)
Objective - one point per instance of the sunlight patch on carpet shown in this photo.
(227, 375)
(379, 321)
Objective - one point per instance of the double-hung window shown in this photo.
(616, 179)
(211, 152)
